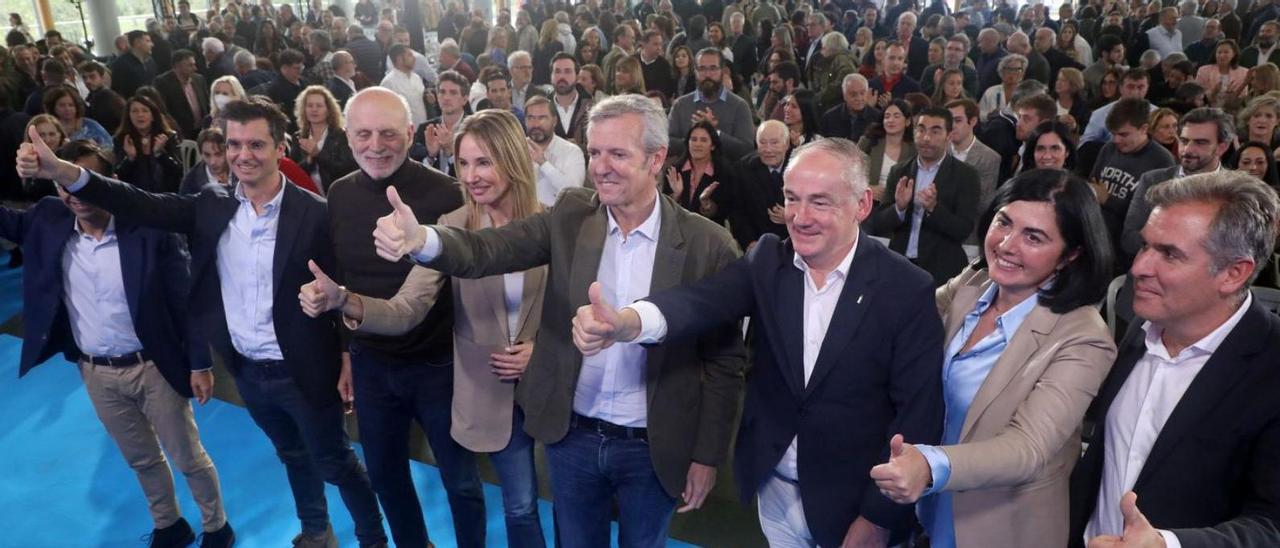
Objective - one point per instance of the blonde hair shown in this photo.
(499, 133)
(237, 92)
(630, 65)
(333, 119)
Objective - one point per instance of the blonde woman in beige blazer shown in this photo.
(495, 318)
(1026, 353)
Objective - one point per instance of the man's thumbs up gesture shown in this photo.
(598, 325)
(1138, 532)
(398, 234)
(320, 295)
(37, 161)
(905, 477)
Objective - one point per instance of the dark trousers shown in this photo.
(588, 471)
(389, 396)
(313, 445)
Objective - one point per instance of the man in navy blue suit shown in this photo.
(111, 297)
(250, 246)
(848, 350)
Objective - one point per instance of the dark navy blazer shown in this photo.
(153, 265)
(879, 372)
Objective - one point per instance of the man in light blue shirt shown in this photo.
(1135, 84)
(112, 298)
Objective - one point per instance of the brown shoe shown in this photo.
(324, 540)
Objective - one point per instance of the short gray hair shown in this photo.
(1245, 225)
(908, 15)
(835, 41)
(654, 136)
(245, 58)
(1011, 58)
(854, 77)
(212, 45)
(853, 169)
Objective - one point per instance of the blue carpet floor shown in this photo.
(66, 486)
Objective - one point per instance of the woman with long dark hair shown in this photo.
(1026, 354)
(887, 143)
(1051, 146)
(146, 147)
(800, 114)
(1256, 159)
(693, 177)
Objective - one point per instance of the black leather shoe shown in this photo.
(178, 535)
(222, 538)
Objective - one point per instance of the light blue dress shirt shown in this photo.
(962, 375)
(246, 253)
(93, 290)
(924, 179)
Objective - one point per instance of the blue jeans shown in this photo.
(389, 396)
(588, 470)
(313, 445)
(514, 465)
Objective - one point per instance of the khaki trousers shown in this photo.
(144, 414)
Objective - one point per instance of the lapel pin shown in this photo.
(859, 300)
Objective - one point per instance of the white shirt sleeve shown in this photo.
(653, 325)
(430, 250)
(1170, 539)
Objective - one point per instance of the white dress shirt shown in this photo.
(93, 290)
(410, 86)
(566, 114)
(1138, 414)
(611, 385)
(1164, 42)
(819, 307)
(246, 255)
(565, 167)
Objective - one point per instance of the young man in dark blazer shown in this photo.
(172, 86)
(250, 246)
(112, 297)
(848, 349)
(650, 439)
(931, 202)
(1184, 436)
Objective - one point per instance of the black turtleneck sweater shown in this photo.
(355, 203)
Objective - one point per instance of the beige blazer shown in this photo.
(482, 404)
(1021, 436)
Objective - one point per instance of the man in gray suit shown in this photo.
(646, 425)
(966, 147)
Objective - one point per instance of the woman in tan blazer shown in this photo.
(495, 318)
(1026, 354)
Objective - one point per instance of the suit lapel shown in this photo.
(494, 289)
(1225, 368)
(223, 213)
(790, 306)
(668, 261)
(131, 265)
(533, 289)
(1039, 323)
(585, 261)
(287, 228)
(850, 310)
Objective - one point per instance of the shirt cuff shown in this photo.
(939, 468)
(82, 180)
(653, 325)
(902, 215)
(1170, 539)
(201, 370)
(430, 249)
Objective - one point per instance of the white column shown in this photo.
(104, 26)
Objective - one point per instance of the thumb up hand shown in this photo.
(36, 160)
(596, 325)
(904, 478)
(320, 295)
(398, 233)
